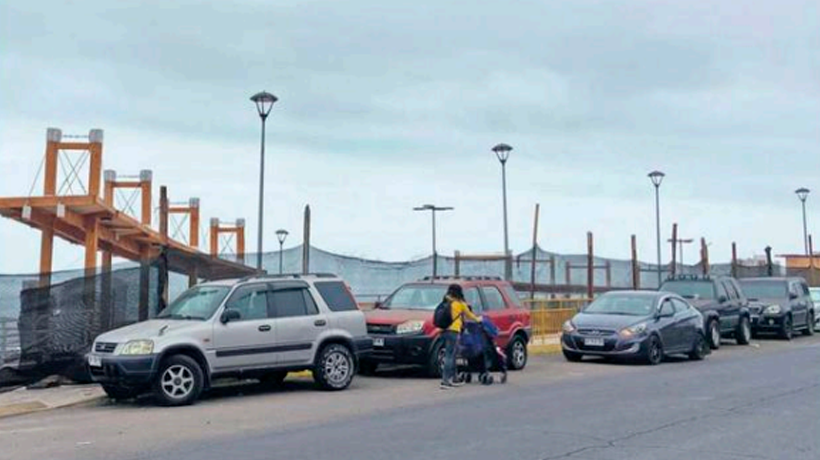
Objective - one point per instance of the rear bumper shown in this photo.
(393, 349)
(130, 371)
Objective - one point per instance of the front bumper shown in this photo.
(127, 371)
(613, 345)
(413, 349)
(363, 346)
(768, 322)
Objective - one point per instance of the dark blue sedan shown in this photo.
(635, 324)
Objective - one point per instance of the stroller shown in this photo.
(477, 353)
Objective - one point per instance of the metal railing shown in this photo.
(9, 341)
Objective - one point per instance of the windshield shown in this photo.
(196, 303)
(815, 294)
(764, 289)
(690, 289)
(417, 297)
(622, 304)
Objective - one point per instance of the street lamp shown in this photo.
(657, 177)
(281, 234)
(433, 209)
(803, 193)
(502, 151)
(264, 103)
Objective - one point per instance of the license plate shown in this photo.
(378, 342)
(94, 361)
(594, 342)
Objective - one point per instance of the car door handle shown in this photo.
(320, 323)
(264, 328)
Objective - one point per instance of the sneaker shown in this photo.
(446, 386)
(456, 384)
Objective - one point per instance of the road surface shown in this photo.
(756, 402)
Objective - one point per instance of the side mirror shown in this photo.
(229, 315)
(793, 296)
(722, 299)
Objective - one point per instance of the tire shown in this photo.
(334, 367)
(743, 334)
(809, 330)
(787, 329)
(517, 354)
(273, 378)
(435, 364)
(573, 357)
(368, 367)
(699, 349)
(713, 334)
(179, 381)
(654, 351)
(118, 393)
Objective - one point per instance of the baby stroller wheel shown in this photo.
(468, 377)
(486, 379)
(504, 378)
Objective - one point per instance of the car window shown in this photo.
(667, 307)
(730, 290)
(250, 301)
(495, 301)
(336, 296)
(288, 303)
(805, 289)
(473, 299)
(720, 289)
(680, 305)
(736, 288)
(516, 301)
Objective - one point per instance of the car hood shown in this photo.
(394, 317)
(146, 330)
(702, 304)
(597, 321)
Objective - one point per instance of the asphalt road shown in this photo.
(758, 402)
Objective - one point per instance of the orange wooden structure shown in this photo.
(236, 229)
(94, 222)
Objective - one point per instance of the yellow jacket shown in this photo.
(459, 309)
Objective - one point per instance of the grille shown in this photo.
(105, 347)
(596, 332)
(381, 329)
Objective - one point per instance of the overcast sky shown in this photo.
(389, 105)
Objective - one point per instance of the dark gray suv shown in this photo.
(721, 301)
(780, 305)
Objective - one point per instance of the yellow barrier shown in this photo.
(548, 315)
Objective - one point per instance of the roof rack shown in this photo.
(294, 276)
(687, 276)
(464, 278)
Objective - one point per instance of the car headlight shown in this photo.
(568, 327)
(773, 309)
(409, 327)
(632, 331)
(137, 347)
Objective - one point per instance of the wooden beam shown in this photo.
(590, 267)
(636, 273)
(534, 249)
(92, 242)
(163, 213)
(95, 167)
(193, 231)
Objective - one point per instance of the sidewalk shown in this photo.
(24, 401)
(545, 344)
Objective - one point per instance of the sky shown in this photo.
(389, 105)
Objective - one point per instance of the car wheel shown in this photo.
(335, 367)
(787, 329)
(118, 393)
(179, 381)
(743, 335)
(714, 334)
(810, 325)
(368, 367)
(573, 357)
(699, 349)
(517, 354)
(654, 351)
(435, 366)
(273, 378)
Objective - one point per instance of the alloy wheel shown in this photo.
(177, 381)
(519, 354)
(337, 367)
(715, 332)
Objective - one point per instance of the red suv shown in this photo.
(402, 326)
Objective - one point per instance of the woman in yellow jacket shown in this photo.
(459, 311)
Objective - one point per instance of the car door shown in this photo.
(798, 304)
(665, 325)
(246, 342)
(806, 295)
(686, 323)
(496, 309)
(473, 299)
(725, 307)
(297, 321)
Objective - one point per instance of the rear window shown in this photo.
(336, 296)
(690, 289)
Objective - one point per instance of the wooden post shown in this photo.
(568, 267)
(608, 274)
(704, 250)
(590, 268)
(145, 194)
(193, 229)
(636, 270)
(214, 237)
(457, 262)
(734, 260)
(95, 139)
(534, 250)
(306, 243)
(109, 178)
(163, 213)
(552, 270)
(769, 265)
(92, 227)
(53, 138)
(240, 240)
(106, 291)
(674, 248)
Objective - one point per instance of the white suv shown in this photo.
(256, 327)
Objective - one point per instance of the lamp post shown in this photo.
(433, 209)
(264, 103)
(803, 193)
(657, 177)
(502, 152)
(281, 234)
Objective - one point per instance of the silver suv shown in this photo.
(256, 327)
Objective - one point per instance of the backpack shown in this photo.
(443, 316)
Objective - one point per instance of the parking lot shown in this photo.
(551, 408)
